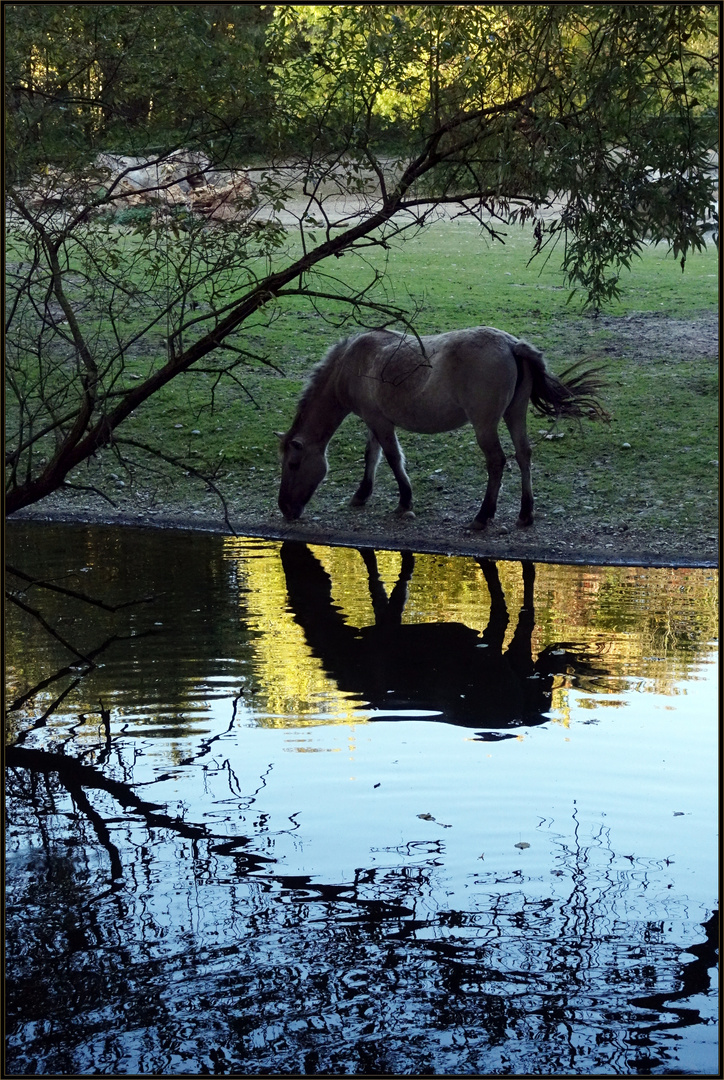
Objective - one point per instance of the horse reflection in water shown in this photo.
(445, 667)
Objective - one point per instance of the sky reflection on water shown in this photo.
(255, 863)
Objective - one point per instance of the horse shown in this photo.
(428, 384)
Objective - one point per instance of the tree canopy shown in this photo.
(604, 116)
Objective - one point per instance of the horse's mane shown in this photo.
(324, 368)
(318, 374)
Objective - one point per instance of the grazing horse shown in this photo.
(429, 384)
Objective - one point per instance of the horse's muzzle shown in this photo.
(289, 513)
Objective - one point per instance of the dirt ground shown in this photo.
(549, 539)
(544, 541)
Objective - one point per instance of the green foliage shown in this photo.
(610, 109)
(133, 215)
(594, 122)
(132, 78)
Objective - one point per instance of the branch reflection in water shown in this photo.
(179, 973)
(185, 895)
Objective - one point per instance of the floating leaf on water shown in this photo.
(426, 817)
(522, 845)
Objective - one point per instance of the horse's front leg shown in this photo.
(396, 460)
(494, 633)
(378, 596)
(373, 452)
(495, 461)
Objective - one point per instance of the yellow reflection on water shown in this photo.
(645, 624)
(441, 590)
(290, 684)
(649, 628)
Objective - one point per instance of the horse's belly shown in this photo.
(413, 408)
(439, 416)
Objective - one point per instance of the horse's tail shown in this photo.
(571, 394)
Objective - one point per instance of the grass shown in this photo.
(663, 405)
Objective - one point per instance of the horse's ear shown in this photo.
(279, 435)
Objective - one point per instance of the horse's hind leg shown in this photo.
(489, 443)
(515, 419)
(373, 451)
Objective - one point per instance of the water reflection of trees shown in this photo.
(193, 620)
(648, 624)
(145, 937)
(446, 667)
(193, 962)
(223, 628)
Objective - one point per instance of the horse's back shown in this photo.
(384, 375)
(434, 383)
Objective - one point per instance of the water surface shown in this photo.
(315, 810)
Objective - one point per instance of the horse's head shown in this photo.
(304, 466)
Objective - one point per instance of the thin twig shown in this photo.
(184, 465)
(68, 484)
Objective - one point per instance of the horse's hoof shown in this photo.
(524, 523)
(477, 524)
(357, 503)
(401, 512)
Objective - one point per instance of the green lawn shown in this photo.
(663, 402)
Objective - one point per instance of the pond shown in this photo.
(305, 810)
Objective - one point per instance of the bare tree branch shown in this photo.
(183, 465)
